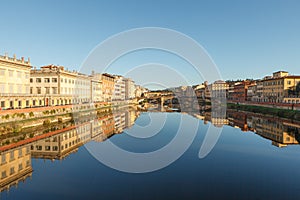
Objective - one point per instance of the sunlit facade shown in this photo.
(14, 82)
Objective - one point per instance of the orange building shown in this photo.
(108, 85)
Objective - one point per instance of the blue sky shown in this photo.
(244, 38)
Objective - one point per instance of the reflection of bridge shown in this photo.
(160, 98)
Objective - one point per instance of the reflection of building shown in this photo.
(96, 129)
(61, 145)
(280, 133)
(14, 82)
(119, 119)
(15, 163)
(108, 125)
(15, 166)
(217, 117)
(238, 120)
(130, 117)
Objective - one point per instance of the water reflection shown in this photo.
(60, 141)
(58, 144)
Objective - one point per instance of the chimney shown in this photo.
(22, 58)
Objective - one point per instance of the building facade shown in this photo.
(280, 88)
(129, 89)
(53, 85)
(119, 89)
(108, 84)
(96, 88)
(14, 82)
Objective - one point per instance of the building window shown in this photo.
(46, 80)
(39, 148)
(31, 80)
(20, 153)
(2, 87)
(54, 80)
(2, 104)
(12, 156)
(11, 88)
(54, 90)
(40, 102)
(289, 82)
(27, 150)
(20, 103)
(47, 90)
(11, 104)
(33, 102)
(19, 74)
(3, 174)
(12, 170)
(38, 80)
(31, 90)
(38, 89)
(19, 88)
(20, 166)
(27, 163)
(62, 80)
(10, 73)
(47, 148)
(2, 72)
(3, 158)
(27, 103)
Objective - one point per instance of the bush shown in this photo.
(31, 114)
(47, 122)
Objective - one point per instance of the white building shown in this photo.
(129, 89)
(96, 88)
(119, 89)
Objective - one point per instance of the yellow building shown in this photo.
(15, 166)
(276, 89)
(14, 82)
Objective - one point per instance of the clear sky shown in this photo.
(246, 39)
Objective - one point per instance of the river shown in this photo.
(131, 154)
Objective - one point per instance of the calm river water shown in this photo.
(255, 157)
